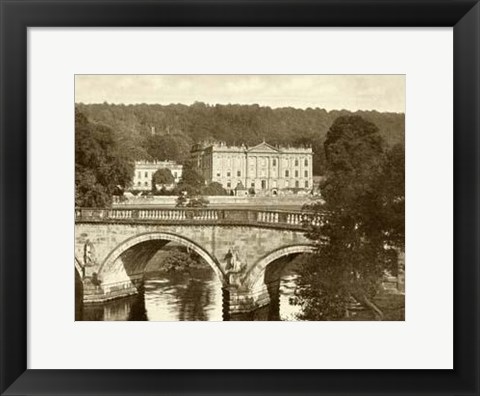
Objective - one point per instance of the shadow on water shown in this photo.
(195, 294)
(177, 298)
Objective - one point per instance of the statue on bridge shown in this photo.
(88, 254)
(89, 261)
(234, 268)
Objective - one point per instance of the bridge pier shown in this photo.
(260, 304)
(99, 293)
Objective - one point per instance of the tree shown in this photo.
(351, 257)
(178, 126)
(191, 182)
(162, 177)
(176, 261)
(174, 147)
(392, 190)
(214, 188)
(101, 164)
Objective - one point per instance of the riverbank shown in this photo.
(392, 306)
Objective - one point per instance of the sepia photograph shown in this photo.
(239, 198)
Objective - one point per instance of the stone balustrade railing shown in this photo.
(296, 219)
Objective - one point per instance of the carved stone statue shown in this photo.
(234, 268)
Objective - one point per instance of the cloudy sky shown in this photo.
(351, 92)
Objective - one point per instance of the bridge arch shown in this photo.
(157, 238)
(255, 277)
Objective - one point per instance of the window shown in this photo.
(306, 183)
(228, 174)
(146, 174)
(306, 173)
(296, 173)
(229, 184)
(287, 173)
(139, 183)
(252, 184)
(239, 173)
(296, 162)
(218, 174)
(274, 162)
(297, 184)
(146, 184)
(306, 162)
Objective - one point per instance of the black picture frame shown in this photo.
(18, 15)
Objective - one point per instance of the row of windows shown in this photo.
(287, 173)
(274, 162)
(139, 174)
(264, 184)
(239, 173)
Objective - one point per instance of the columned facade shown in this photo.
(264, 169)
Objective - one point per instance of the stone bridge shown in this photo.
(113, 247)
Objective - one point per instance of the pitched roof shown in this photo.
(263, 147)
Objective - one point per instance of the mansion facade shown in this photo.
(144, 171)
(264, 168)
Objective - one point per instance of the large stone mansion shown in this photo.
(144, 171)
(265, 168)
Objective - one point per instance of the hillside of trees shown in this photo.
(177, 127)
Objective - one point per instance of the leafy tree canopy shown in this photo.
(167, 132)
(163, 177)
(101, 164)
(214, 188)
(191, 182)
(364, 199)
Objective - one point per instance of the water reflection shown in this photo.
(288, 308)
(190, 294)
(196, 295)
(193, 296)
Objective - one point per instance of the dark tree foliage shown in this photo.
(167, 132)
(169, 147)
(163, 177)
(191, 182)
(177, 261)
(364, 207)
(102, 166)
(392, 190)
(214, 188)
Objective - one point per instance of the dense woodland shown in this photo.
(361, 155)
(177, 127)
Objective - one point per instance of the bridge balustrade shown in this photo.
(296, 219)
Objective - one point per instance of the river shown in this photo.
(192, 295)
